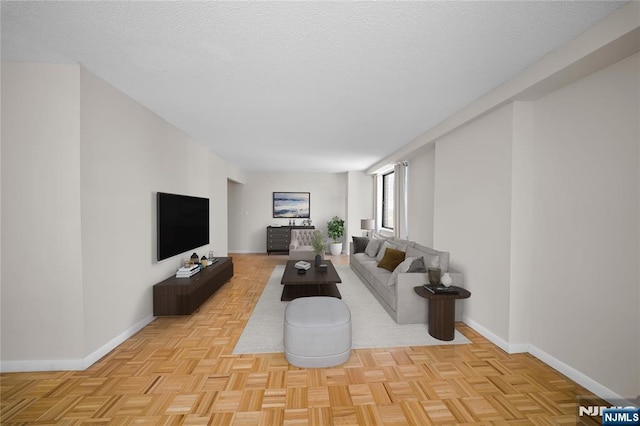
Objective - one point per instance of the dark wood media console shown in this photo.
(182, 296)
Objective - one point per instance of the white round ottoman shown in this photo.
(317, 332)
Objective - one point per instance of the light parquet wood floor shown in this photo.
(180, 370)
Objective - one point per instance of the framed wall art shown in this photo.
(292, 205)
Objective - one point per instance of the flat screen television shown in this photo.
(183, 223)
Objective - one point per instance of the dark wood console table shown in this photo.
(279, 238)
(442, 310)
(182, 296)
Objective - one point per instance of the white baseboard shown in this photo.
(41, 365)
(578, 377)
(113, 343)
(509, 348)
(575, 375)
(74, 364)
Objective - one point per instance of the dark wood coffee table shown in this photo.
(311, 283)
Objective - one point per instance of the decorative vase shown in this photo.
(336, 248)
(317, 260)
(446, 279)
(434, 276)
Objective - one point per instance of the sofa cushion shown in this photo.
(361, 257)
(372, 247)
(388, 293)
(379, 236)
(391, 259)
(378, 279)
(406, 243)
(360, 244)
(399, 246)
(400, 269)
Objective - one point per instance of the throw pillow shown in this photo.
(391, 259)
(372, 247)
(360, 244)
(417, 265)
(383, 246)
(400, 269)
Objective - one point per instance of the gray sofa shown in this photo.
(394, 290)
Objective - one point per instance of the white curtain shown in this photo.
(400, 229)
(377, 202)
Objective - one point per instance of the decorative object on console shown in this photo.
(204, 262)
(291, 205)
(194, 258)
(367, 225)
(188, 271)
(335, 230)
(434, 276)
(446, 279)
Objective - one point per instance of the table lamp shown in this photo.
(367, 225)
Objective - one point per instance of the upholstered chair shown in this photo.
(300, 247)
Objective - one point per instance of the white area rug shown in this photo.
(371, 325)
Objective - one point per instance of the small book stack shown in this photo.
(439, 289)
(188, 271)
(302, 265)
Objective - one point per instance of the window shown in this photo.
(387, 200)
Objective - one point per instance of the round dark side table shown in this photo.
(442, 310)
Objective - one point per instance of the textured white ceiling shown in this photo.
(335, 85)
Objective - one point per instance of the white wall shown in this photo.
(41, 241)
(522, 272)
(0, 218)
(128, 155)
(359, 203)
(420, 187)
(472, 213)
(82, 165)
(586, 226)
(539, 205)
(251, 204)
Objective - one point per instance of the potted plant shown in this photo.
(317, 242)
(335, 230)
